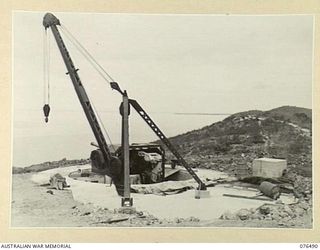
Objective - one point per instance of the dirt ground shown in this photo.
(33, 206)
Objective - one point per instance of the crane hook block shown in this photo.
(46, 111)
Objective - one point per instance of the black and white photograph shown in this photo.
(162, 120)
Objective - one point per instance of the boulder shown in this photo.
(265, 209)
(288, 210)
(243, 214)
(228, 216)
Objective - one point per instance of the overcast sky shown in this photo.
(169, 63)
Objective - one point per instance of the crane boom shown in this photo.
(50, 21)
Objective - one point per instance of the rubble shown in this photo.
(243, 214)
(285, 215)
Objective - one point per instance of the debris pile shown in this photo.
(283, 214)
(103, 216)
(302, 186)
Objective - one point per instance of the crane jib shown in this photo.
(50, 21)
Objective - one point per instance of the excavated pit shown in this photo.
(171, 174)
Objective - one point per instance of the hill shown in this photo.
(284, 132)
(49, 165)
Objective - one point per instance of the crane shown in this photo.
(102, 160)
(108, 163)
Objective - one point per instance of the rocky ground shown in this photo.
(40, 206)
(297, 215)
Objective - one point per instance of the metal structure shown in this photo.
(125, 112)
(102, 160)
(166, 142)
(161, 135)
(107, 163)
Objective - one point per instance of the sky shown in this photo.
(216, 64)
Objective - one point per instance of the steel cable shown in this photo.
(86, 54)
(44, 65)
(85, 51)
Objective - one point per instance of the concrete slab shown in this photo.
(181, 205)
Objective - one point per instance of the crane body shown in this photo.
(146, 160)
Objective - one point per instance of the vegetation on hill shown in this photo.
(283, 132)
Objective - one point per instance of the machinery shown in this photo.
(146, 160)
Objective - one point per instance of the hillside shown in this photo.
(284, 132)
(49, 165)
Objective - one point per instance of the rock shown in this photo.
(299, 211)
(228, 216)
(194, 219)
(282, 214)
(140, 214)
(255, 216)
(85, 213)
(288, 210)
(276, 217)
(264, 209)
(243, 214)
(304, 205)
(252, 210)
(308, 191)
(177, 220)
(50, 192)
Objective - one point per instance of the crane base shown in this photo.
(202, 194)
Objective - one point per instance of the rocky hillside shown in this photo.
(283, 132)
(49, 165)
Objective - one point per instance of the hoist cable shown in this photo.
(81, 49)
(44, 65)
(104, 129)
(85, 56)
(87, 52)
(48, 68)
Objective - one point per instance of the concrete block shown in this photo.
(199, 194)
(268, 167)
